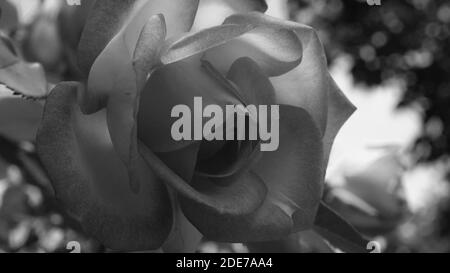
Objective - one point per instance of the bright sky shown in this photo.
(378, 122)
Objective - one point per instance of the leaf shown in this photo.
(21, 78)
(339, 232)
(25, 79)
(91, 181)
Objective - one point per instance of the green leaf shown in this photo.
(339, 232)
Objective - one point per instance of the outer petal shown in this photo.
(179, 14)
(339, 111)
(276, 50)
(112, 72)
(117, 77)
(222, 208)
(104, 22)
(213, 12)
(234, 217)
(92, 182)
(198, 42)
(294, 173)
(108, 17)
(309, 86)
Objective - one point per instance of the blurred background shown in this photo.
(389, 170)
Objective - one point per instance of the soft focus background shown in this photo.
(389, 170)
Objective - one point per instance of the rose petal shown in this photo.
(108, 17)
(113, 72)
(146, 55)
(256, 88)
(228, 209)
(309, 85)
(119, 74)
(184, 238)
(182, 161)
(123, 108)
(104, 22)
(213, 12)
(339, 111)
(172, 85)
(276, 50)
(179, 16)
(227, 221)
(122, 112)
(92, 182)
(192, 44)
(116, 79)
(294, 173)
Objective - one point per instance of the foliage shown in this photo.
(407, 40)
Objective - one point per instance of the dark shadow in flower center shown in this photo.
(222, 158)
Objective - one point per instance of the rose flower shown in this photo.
(107, 146)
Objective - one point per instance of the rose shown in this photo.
(106, 143)
(371, 196)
